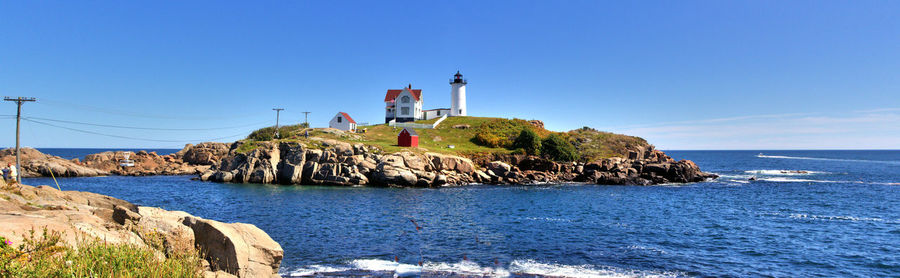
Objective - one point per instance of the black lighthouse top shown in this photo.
(457, 78)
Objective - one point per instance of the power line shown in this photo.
(145, 128)
(83, 107)
(128, 137)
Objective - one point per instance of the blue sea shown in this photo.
(808, 213)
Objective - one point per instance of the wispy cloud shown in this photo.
(878, 110)
(719, 120)
(877, 128)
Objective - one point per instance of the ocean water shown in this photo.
(808, 213)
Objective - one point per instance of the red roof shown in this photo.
(392, 94)
(348, 118)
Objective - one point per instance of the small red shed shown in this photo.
(408, 138)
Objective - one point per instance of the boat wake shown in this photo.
(785, 172)
(828, 159)
(465, 268)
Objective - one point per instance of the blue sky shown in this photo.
(682, 74)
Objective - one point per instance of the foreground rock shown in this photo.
(236, 249)
(340, 163)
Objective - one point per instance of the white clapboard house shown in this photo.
(405, 105)
(343, 122)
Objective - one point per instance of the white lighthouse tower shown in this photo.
(458, 95)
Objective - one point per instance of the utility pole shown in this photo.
(306, 118)
(19, 101)
(277, 115)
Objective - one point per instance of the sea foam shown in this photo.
(468, 268)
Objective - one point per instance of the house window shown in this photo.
(339, 119)
(439, 112)
(460, 111)
(404, 110)
(404, 99)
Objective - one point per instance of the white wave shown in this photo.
(316, 269)
(549, 219)
(399, 269)
(829, 217)
(465, 267)
(533, 267)
(785, 172)
(827, 159)
(469, 268)
(639, 247)
(839, 218)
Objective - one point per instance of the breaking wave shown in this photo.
(364, 267)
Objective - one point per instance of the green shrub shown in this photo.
(558, 147)
(529, 141)
(490, 139)
(46, 256)
(502, 132)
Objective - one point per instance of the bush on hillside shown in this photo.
(557, 147)
(268, 133)
(593, 145)
(529, 141)
(499, 133)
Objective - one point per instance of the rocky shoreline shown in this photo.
(340, 163)
(191, 160)
(332, 162)
(228, 249)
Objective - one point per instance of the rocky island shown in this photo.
(332, 157)
(463, 150)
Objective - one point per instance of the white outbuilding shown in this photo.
(343, 122)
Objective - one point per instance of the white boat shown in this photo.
(125, 161)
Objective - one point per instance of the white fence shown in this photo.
(415, 125)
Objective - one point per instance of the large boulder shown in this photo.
(451, 163)
(240, 249)
(207, 153)
(499, 168)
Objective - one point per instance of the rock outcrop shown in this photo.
(145, 164)
(341, 163)
(208, 153)
(238, 249)
(37, 164)
(191, 160)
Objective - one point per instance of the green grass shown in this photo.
(45, 256)
(483, 136)
(435, 140)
